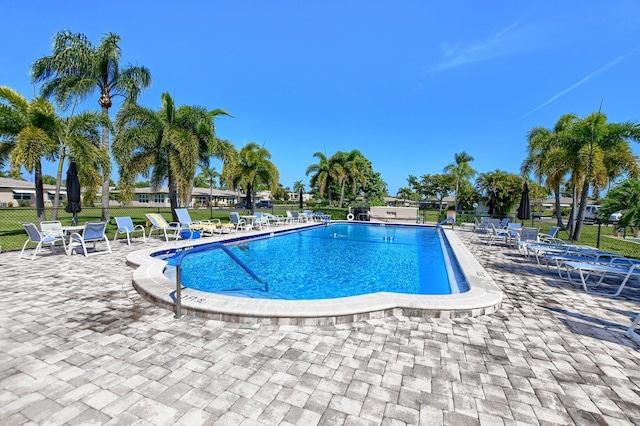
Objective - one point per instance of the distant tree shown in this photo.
(251, 167)
(624, 197)
(48, 180)
(437, 186)
(507, 188)
(460, 170)
(404, 193)
(321, 175)
(27, 131)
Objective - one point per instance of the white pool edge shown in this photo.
(483, 297)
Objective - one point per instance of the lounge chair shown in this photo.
(159, 223)
(495, 233)
(481, 225)
(184, 218)
(237, 221)
(550, 237)
(40, 239)
(93, 232)
(528, 236)
(623, 268)
(298, 217)
(275, 220)
(504, 222)
(125, 226)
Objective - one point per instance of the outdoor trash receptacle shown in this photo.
(190, 235)
(361, 214)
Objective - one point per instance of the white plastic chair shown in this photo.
(93, 232)
(40, 239)
(125, 226)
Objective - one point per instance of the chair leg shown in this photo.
(23, 247)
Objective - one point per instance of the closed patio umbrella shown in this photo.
(492, 203)
(300, 196)
(73, 193)
(524, 208)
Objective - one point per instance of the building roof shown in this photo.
(23, 184)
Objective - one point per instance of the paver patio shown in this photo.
(79, 346)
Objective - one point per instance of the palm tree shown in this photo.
(250, 168)
(27, 130)
(353, 164)
(601, 150)
(322, 175)
(404, 193)
(548, 159)
(460, 170)
(164, 144)
(78, 138)
(298, 188)
(77, 68)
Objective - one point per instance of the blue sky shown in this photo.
(407, 83)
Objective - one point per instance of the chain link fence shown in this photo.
(604, 236)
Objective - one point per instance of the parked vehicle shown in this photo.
(242, 204)
(615, 217)
(591, 213)
(264, 204)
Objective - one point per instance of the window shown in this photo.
(158, 198)
(22, 195)
(143, 198)
(201, 199)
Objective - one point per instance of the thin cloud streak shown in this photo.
(581, 82)
(478, 52)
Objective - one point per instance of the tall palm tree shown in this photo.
(548, 158)
(27, 131)
(352, 165)
(76, 69)
(601, 150)
(250, 168)
(460, 169)
(78, 138)
(164, 145)
(298, 186)
(322, 176)
(404, 193)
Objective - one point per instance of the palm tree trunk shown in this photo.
(105, 173)
(584, 196)
(250, 197)
(342, 193)
(56, 200)
(558, 207)
(39, 193)
(173, 197)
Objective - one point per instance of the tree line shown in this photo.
(164, 145)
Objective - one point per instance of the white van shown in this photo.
(590, 213)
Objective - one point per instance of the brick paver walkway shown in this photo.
(79, 346)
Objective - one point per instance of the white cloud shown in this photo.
(583, 80)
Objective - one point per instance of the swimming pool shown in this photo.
(483, 296)
(326, 262)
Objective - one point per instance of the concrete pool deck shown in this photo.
(483, 297)
(80, 346)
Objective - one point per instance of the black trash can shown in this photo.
(361, 213)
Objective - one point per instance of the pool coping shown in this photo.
(484, 295)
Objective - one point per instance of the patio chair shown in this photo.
(125, 226)
(52, 228)
(481, 224)
(93, 232)
(495, 233)
(298, 217)
(184, 218)
(550, 237)
(623, 268)
(159, 223)
(40, 239)
(260, 221)
(527, 236)
(237, 221)
(276, 220)
(503, 223)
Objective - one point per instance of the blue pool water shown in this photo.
(326, 262)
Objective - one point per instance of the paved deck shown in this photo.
(79, 346)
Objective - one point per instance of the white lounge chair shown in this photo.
(495, 233)
(159, 223)
(184, 218)
(40, 239)
(125, 226)
(623, 268)
(93, 232)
